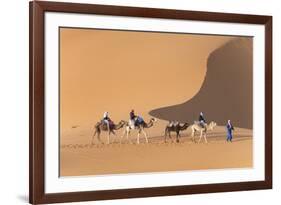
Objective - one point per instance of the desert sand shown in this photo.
(116, 71)
(79, 157)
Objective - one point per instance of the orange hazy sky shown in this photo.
(116, 71)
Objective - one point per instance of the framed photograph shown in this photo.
(138, 102)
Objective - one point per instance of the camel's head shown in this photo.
(153, 120)
(122, 123)
(212, 125)
(186, 124)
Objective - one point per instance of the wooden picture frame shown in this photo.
(37, 10)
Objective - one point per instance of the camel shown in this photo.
(100, 126)
(203, 130)
(129, 126)
(175, 128)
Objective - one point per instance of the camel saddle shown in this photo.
(200, 124)
(138, 121)
(104, 124)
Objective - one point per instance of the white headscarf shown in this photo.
(105, 114)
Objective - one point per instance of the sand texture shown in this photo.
(79, 157)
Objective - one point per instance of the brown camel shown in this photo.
(140, 127)
(100, 126)
(175, 128)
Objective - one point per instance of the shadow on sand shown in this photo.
(226, 92)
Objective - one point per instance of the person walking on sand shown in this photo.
(229, 128)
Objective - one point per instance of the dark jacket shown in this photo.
(132, 115)
(201, 118)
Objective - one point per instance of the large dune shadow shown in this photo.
(226, 92)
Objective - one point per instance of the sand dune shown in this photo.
(117, 71)
(227, 91)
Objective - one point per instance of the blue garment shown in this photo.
(139, 120)
(229, 136)
(229, 128)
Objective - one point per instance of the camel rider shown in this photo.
(202, 120)
(132, 115)
(135, 119)
(132, 118)
(106, 119)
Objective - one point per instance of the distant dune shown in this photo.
(226, 92)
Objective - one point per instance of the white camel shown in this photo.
(140, 127)
(203, 130)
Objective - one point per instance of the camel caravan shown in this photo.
(138, 124)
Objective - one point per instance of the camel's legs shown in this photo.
(145, 135)
(114, 135)
(121, 137)
(169, 134)
(108, 138)
(98, 136)
(166, 133)
(93, 137)
(138, 139)
(127, 136)
(178, 134)
(97, 132)
(205, 137)
(192, 135)
(200, 136)
(123, 134)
